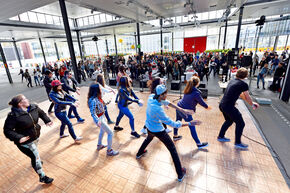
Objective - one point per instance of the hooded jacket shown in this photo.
(20, 123)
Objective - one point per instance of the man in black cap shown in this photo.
(47, 83)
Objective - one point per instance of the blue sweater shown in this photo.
(189, 101)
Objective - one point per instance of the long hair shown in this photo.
(94, 91)
(124, 82)
(100, 80)
(122, 69)
(193, 82)
(54, 88)
(152, 84)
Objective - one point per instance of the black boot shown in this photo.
(46, 180)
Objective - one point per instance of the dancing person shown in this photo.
(155, 116)
(152, 84)
(192, 97)
(105, 89)
(21, 126)
(125, 91)
(235, 89)
(97, 109)
(47, 84)
(61, 100)
(71, 85)
(121, 73)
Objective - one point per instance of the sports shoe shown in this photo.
(99, 147)
(80, 120)
(71, 116)
(241, 146)
(64, 135)
(180, 178)
(223, 139)
(78, 139)
(176, 138)
(111, 152)
(144, 131)
(111, 122)
(46, 180)
(202, 145)
(135, 134)
(139, 156)
(117, 128)
(168, 130)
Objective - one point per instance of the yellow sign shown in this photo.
(133, 47)
(121, 40)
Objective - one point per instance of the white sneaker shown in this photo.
(144, 131)
(111, 152)
(78, 139)
(64, 135)
(168, 130)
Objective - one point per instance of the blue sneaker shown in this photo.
(241, 146)
(71, 116)
(202, 145)
(80, 120)
(223, 139)
(180, 178)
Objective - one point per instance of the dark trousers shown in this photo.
(29, 82)
(50, 107)
(73, 109)
(276, 83)
(62, 116)
(166, 140)
(107, 114)
(232, 115)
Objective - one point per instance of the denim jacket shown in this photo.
(96, 108)
(61, 101)
(124, 97)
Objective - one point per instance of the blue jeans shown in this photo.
(73, 109)
(36, 80)
(105, 128)
(179, 117)
(125, 111)
(107, 114)
(261, 77)
(62, 116)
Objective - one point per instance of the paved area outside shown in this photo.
(80, 168)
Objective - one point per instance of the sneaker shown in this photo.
(258, 87)
(64, 135)
(223, 139)
(117, 128)
(202, 145)
(111, 152)
(99, 147)
(168, 130)
(71, 116)
(176, 138)
(80, 120)
(111, 122)
(46, 180)
(78, 139)
(144, 131)
(139, 156)
(135, 134)
(241, 146)
(180, 178)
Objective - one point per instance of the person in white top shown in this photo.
(105, 89)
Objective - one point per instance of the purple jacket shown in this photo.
(189, 101)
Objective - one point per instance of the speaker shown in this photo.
(202, 85)
(175, 85)
(143, 84)
(204, 92)
(112, 82)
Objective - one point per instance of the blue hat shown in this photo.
(160, 89)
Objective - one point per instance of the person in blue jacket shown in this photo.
(155, 116)
(61, 100)
(192, 97)
(125, 91)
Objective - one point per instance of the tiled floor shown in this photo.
(80, 168)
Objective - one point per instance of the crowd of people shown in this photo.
(21, 125)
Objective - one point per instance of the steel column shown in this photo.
(5, 64)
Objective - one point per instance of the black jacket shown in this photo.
(47, 83)
(66, 86)
(19, 123)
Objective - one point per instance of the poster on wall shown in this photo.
(194, 44)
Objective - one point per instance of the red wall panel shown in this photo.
(194, 44)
